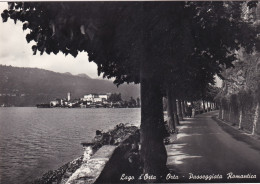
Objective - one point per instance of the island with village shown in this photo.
(92, 100)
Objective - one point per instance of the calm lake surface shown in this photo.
(33, 141)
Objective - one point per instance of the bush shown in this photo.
(257, 93)
(234, 103)
(224, 103)
(234, 116)
(218, 97)
(245, 100)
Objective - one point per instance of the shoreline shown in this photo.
(115, 137)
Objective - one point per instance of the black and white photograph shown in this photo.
(129, 92)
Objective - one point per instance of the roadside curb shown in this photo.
(242, 132)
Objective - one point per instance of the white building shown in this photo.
(54, 103)
(89, 97)
(69, 96)
(95, 98)
(104, 97)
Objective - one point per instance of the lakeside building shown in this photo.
(69, 96)
(92, 100)
(54, 103)
(95, 98)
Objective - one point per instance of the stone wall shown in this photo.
(247, 120)
(243, 78)
(110, 155)
(109, 163)
(258, 124)
(125, 160)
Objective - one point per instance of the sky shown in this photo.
(16, 51)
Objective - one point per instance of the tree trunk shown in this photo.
(219, 113)
(255, 118)
(204, 109)
(185, 107)
(222, 114)
(170, 121)
(240, 119)
(182, 109)
(179, 110)
(152, 130)
(201, 106)
(174, 104)
(230, 111)
(192, 104)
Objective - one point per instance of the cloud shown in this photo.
(16, 51)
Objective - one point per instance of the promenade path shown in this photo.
(207, 150)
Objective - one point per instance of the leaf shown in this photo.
(4, 15)
(25, 25)
(82, 29)
(34, 48)
(52, 26)
(252, 4)
(91, 31)
(38, 36)
(74, 53)
(71, 35)
(28, 38)
(10, 5)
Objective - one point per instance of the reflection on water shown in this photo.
(33, 141)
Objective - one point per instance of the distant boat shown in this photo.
(43, 106)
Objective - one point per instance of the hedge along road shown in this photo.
(211, 151)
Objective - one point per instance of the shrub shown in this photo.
(234, 103)
(257, 93)
(218, 97)
(224, 103)
(245, 99)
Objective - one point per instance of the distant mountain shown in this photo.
(67, 73)
(83, 75)
(30, 86)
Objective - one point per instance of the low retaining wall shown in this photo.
(246, 122)
(125, 160)
(109, 163)
(112, 154)
(90, 170)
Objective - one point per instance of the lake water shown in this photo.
(33, 141)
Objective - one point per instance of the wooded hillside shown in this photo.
(29, 86)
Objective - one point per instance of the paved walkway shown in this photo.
(217, 152)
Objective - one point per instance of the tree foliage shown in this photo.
(173, 36)
(245, 99)
(257, 93)
(234, 103)
(224, 103)
(114, 97)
